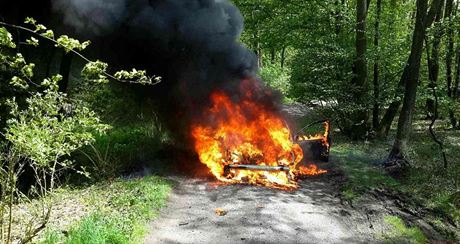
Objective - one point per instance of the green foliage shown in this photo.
(276, 78)
(64, 41)
(402, 233)
(95, 72)
(43, 127)
(43, 133)
(70, 43)
(140, 76)
(48, 126)
(123, 149)
(6, 39)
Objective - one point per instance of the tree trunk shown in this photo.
(64, 70)
(272, 55)
(455, 88)
(283, 57)
(433, 66)
(411, 75)
(360, 116)
(449, 58)
(433, 73)
(376, 108)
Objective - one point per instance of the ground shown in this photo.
(315, 213)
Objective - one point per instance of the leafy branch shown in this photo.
(95, 71)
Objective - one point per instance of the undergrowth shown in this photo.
(427, 182)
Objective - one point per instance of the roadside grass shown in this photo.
(402, 233)
(115, 212)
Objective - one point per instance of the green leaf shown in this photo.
(95, 72)
(6, 38)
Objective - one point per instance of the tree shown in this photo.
(360, 116)
(411, 75)
(42, 126)
(449, 58)
(376, 81)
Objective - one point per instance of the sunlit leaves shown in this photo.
(6, 39)
(32, 41)
(30, 20)
(48, 34)
(46, 130)
(52, 83)
(95, 72)
(137, 76)
(64, 41)
(69, 43)
(19, 83)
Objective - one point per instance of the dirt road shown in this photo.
(312, 214)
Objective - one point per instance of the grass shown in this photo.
(402, 233)
(120, 212)
(360, 163)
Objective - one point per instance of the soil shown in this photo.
(315, 213)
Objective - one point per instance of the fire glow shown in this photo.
(246, 133)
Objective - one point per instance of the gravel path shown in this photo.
(312, 214)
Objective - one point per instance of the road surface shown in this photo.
(312, 214)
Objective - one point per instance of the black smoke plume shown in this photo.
(193, 44)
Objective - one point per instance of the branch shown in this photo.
(434, 117)
(435, 9)
(76, 53)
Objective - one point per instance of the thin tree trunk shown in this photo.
(390, 114)
(360, 82)
(433, 66)
(283, 57)
(376, 109)
(49, 61)
(433, 72)
(449, 60)
(455, 88)
(411, 75)
(64, 70)
(272, 55)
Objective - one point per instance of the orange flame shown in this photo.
(246, 133)
(311, 169)
(323, 137)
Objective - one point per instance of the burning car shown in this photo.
(241, 141)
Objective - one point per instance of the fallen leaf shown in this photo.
(220, 212)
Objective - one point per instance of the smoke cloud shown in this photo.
(193, 44)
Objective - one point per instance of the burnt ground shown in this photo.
(315, 213)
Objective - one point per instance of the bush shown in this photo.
(276, 77)
(123, 149)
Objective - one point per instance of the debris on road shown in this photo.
(220, 212)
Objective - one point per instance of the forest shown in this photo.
(270, 121)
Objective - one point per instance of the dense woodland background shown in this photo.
(387, 74)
